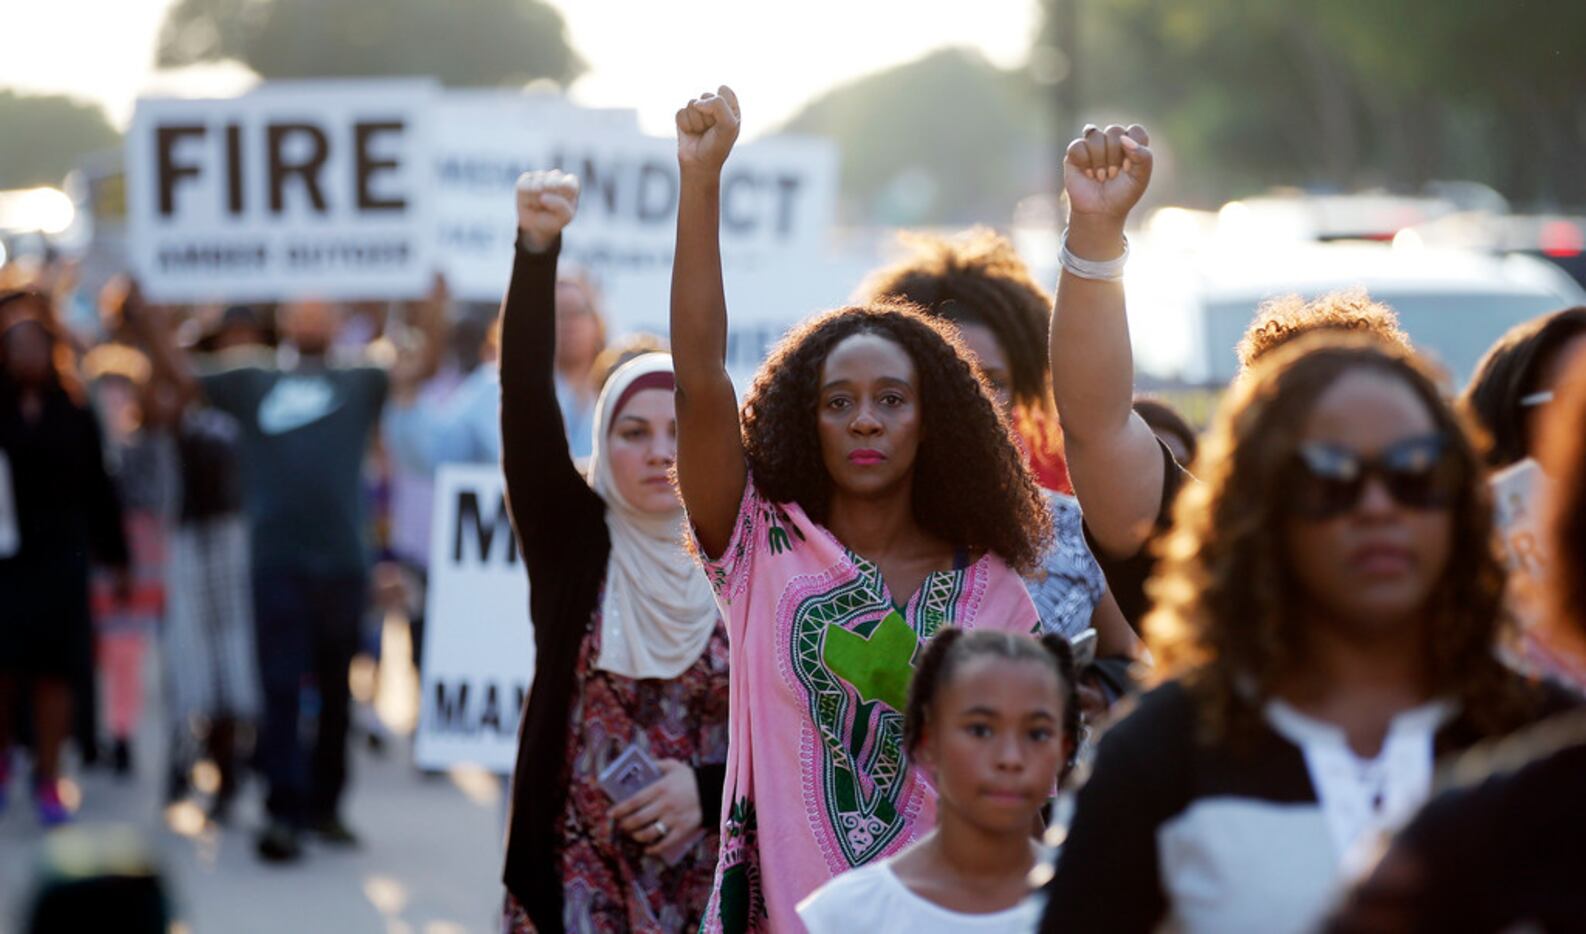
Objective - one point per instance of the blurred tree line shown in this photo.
(1241, 95)
(1340, 93)
(44, 135)
(949, 137)
(478, 42)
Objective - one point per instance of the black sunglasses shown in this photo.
(1419, 473)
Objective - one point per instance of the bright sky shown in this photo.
(646, 54)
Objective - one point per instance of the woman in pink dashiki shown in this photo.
(870, 495)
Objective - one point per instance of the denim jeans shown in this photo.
(307, 629)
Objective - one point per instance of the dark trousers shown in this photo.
(307, 633)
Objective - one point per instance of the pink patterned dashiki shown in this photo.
(821, 656)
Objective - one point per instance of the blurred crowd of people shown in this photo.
(941, 628)
(241, 492)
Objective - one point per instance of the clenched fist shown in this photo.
(547, 202)
(706, 129)
(1106, 171)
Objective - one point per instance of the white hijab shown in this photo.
(658, 612)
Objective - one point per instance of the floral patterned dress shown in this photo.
(609, 882)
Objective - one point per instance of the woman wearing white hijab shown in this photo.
(631, 656)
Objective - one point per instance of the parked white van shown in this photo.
(1189, 308)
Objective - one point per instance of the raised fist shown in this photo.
(547, 202)
(1106, 171)
(706, 130)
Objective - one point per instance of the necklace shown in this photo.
(1372, 776)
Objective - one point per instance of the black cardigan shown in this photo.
(561, 528)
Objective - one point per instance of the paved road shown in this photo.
(428, 864)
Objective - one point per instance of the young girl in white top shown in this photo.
(993, 720)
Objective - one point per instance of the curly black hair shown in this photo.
(971, 485)
(952, 646)
(977, 278)
(1285, 318)
(1511, 370)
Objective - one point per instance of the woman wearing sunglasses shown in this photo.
(1326, 614)
(1501, 849)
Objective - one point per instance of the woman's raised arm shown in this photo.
(1113, 456)
(546, 494)
(710, 460)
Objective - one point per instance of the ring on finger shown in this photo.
(661, 829)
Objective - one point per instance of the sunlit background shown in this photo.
(1427, 150)
(1337, 119)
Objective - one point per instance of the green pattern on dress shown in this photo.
(741, 902)
(780, 530)
(863, 767)
(879, 667)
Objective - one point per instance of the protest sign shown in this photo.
(363, 189)
(294, 189)
(777, 194)
(484, 140)
(778, 201)
(98, 188)
(478, 640)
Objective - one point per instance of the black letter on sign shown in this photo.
(651, 210)
(492, 715)
(165, 138)
(308, 169)
(234, 168)
(484, 535)
(451, 713)
(786, 186)
(599, 181)
(737, 223)
(367, 165)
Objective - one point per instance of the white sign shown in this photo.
(777, 194)
(483, 141)
(362, 189)
(478, 640)
(295, 189)
(778, 201)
